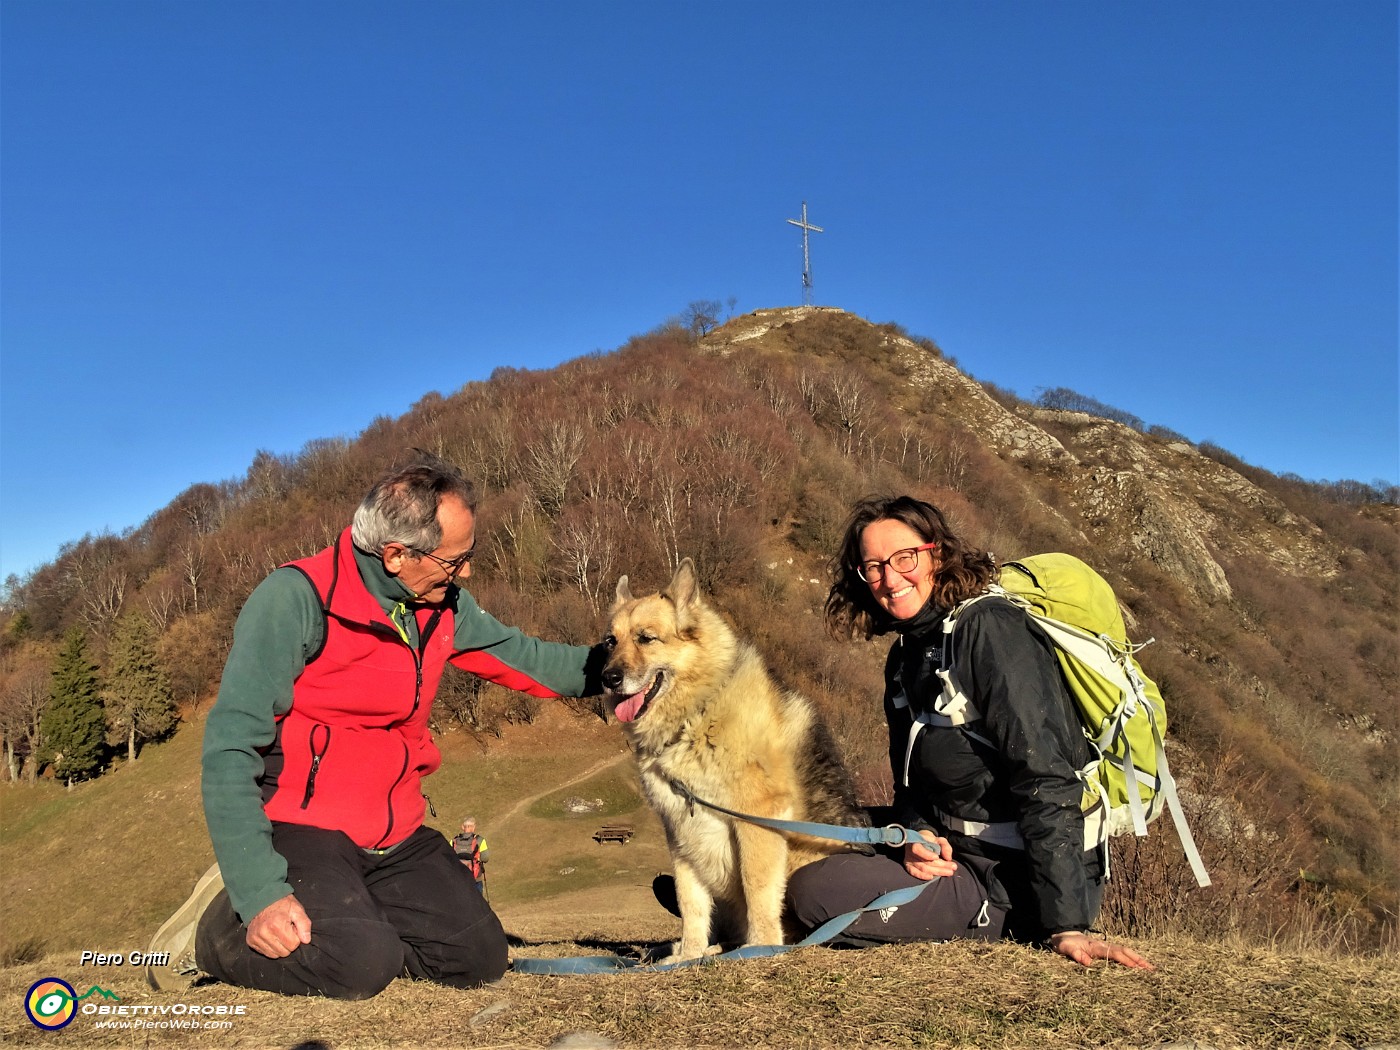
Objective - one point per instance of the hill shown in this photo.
(1273, 602)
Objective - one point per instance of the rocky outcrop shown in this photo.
(1136, 494)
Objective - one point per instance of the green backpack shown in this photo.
(1120, 708)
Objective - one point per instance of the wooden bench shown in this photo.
(619, 833)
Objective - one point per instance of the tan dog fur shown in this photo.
(721, 726)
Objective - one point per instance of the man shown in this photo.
(327, 882)
(471, 851)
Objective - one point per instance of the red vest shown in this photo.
(351, 752)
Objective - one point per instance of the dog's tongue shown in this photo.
(630, 708)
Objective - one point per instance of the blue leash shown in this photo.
(586, 964)
(890, 835)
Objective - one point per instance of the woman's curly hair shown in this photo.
(964, 570)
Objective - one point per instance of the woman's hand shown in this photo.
(1084, 948)
(929, 862)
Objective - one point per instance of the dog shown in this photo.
(702, 714)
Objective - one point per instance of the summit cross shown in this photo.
(806, 254)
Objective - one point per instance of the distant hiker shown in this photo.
(997, 799)
(471, 851)
(315, 751)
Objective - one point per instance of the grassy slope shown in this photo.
(101, 866)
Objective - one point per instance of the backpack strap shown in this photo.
(952, 706)
(999, 833)
(1008, 833)
(1120, 669)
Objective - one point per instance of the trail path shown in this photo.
(622, 909)
(592, 770)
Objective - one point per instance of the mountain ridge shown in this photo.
(1113, 458)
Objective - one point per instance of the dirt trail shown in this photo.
(591, 771)
(623, 909)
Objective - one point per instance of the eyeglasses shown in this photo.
(900, 561)
(454, 567)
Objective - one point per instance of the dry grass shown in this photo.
(98, 867)
(954, 995)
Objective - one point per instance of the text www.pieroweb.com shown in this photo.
(170, 1023)
(189, 1017)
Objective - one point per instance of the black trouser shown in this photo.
(414, 910)
(949, 908)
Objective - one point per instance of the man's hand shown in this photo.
(927, 863)
(1084, 949)
(280, 928)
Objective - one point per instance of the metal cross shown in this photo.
(806, 255)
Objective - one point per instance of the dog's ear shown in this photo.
(684, 588)
(624, 592)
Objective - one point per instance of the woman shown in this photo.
(996, 799)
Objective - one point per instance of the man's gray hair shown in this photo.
(402, 506)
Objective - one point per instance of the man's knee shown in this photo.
(356, 965)
(475, 956)
(346, 959)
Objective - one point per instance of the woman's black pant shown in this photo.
(984, 900)
(412, 911)
(949, 908)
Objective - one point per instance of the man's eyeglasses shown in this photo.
(900, 561)
(454, 567)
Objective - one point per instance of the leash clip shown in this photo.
(897, 835)
(685, 793)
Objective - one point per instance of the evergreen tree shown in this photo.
(73, 722)
(138, 700)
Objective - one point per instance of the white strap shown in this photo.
(1007, 833)
(1000, 833)
(914, 731)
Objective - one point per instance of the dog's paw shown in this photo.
(680, 952)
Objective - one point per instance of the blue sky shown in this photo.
(241, 225)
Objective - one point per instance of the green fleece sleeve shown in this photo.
(509, 657)
(279, 626)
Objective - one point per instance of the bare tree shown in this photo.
(851, 400)
(701, 317)
(102, 599)
(808, 386)
(96, 569)
(586, 543)
(162, 599)
(956, 457)
(550, 464)
(202, 507)
(268, 476)
(908, 431)
(492, 450)
(191, 557)
(518, 548)
(459, 698)
(670, 503)
(24, 693)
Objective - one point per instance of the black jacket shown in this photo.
(1023, 770)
